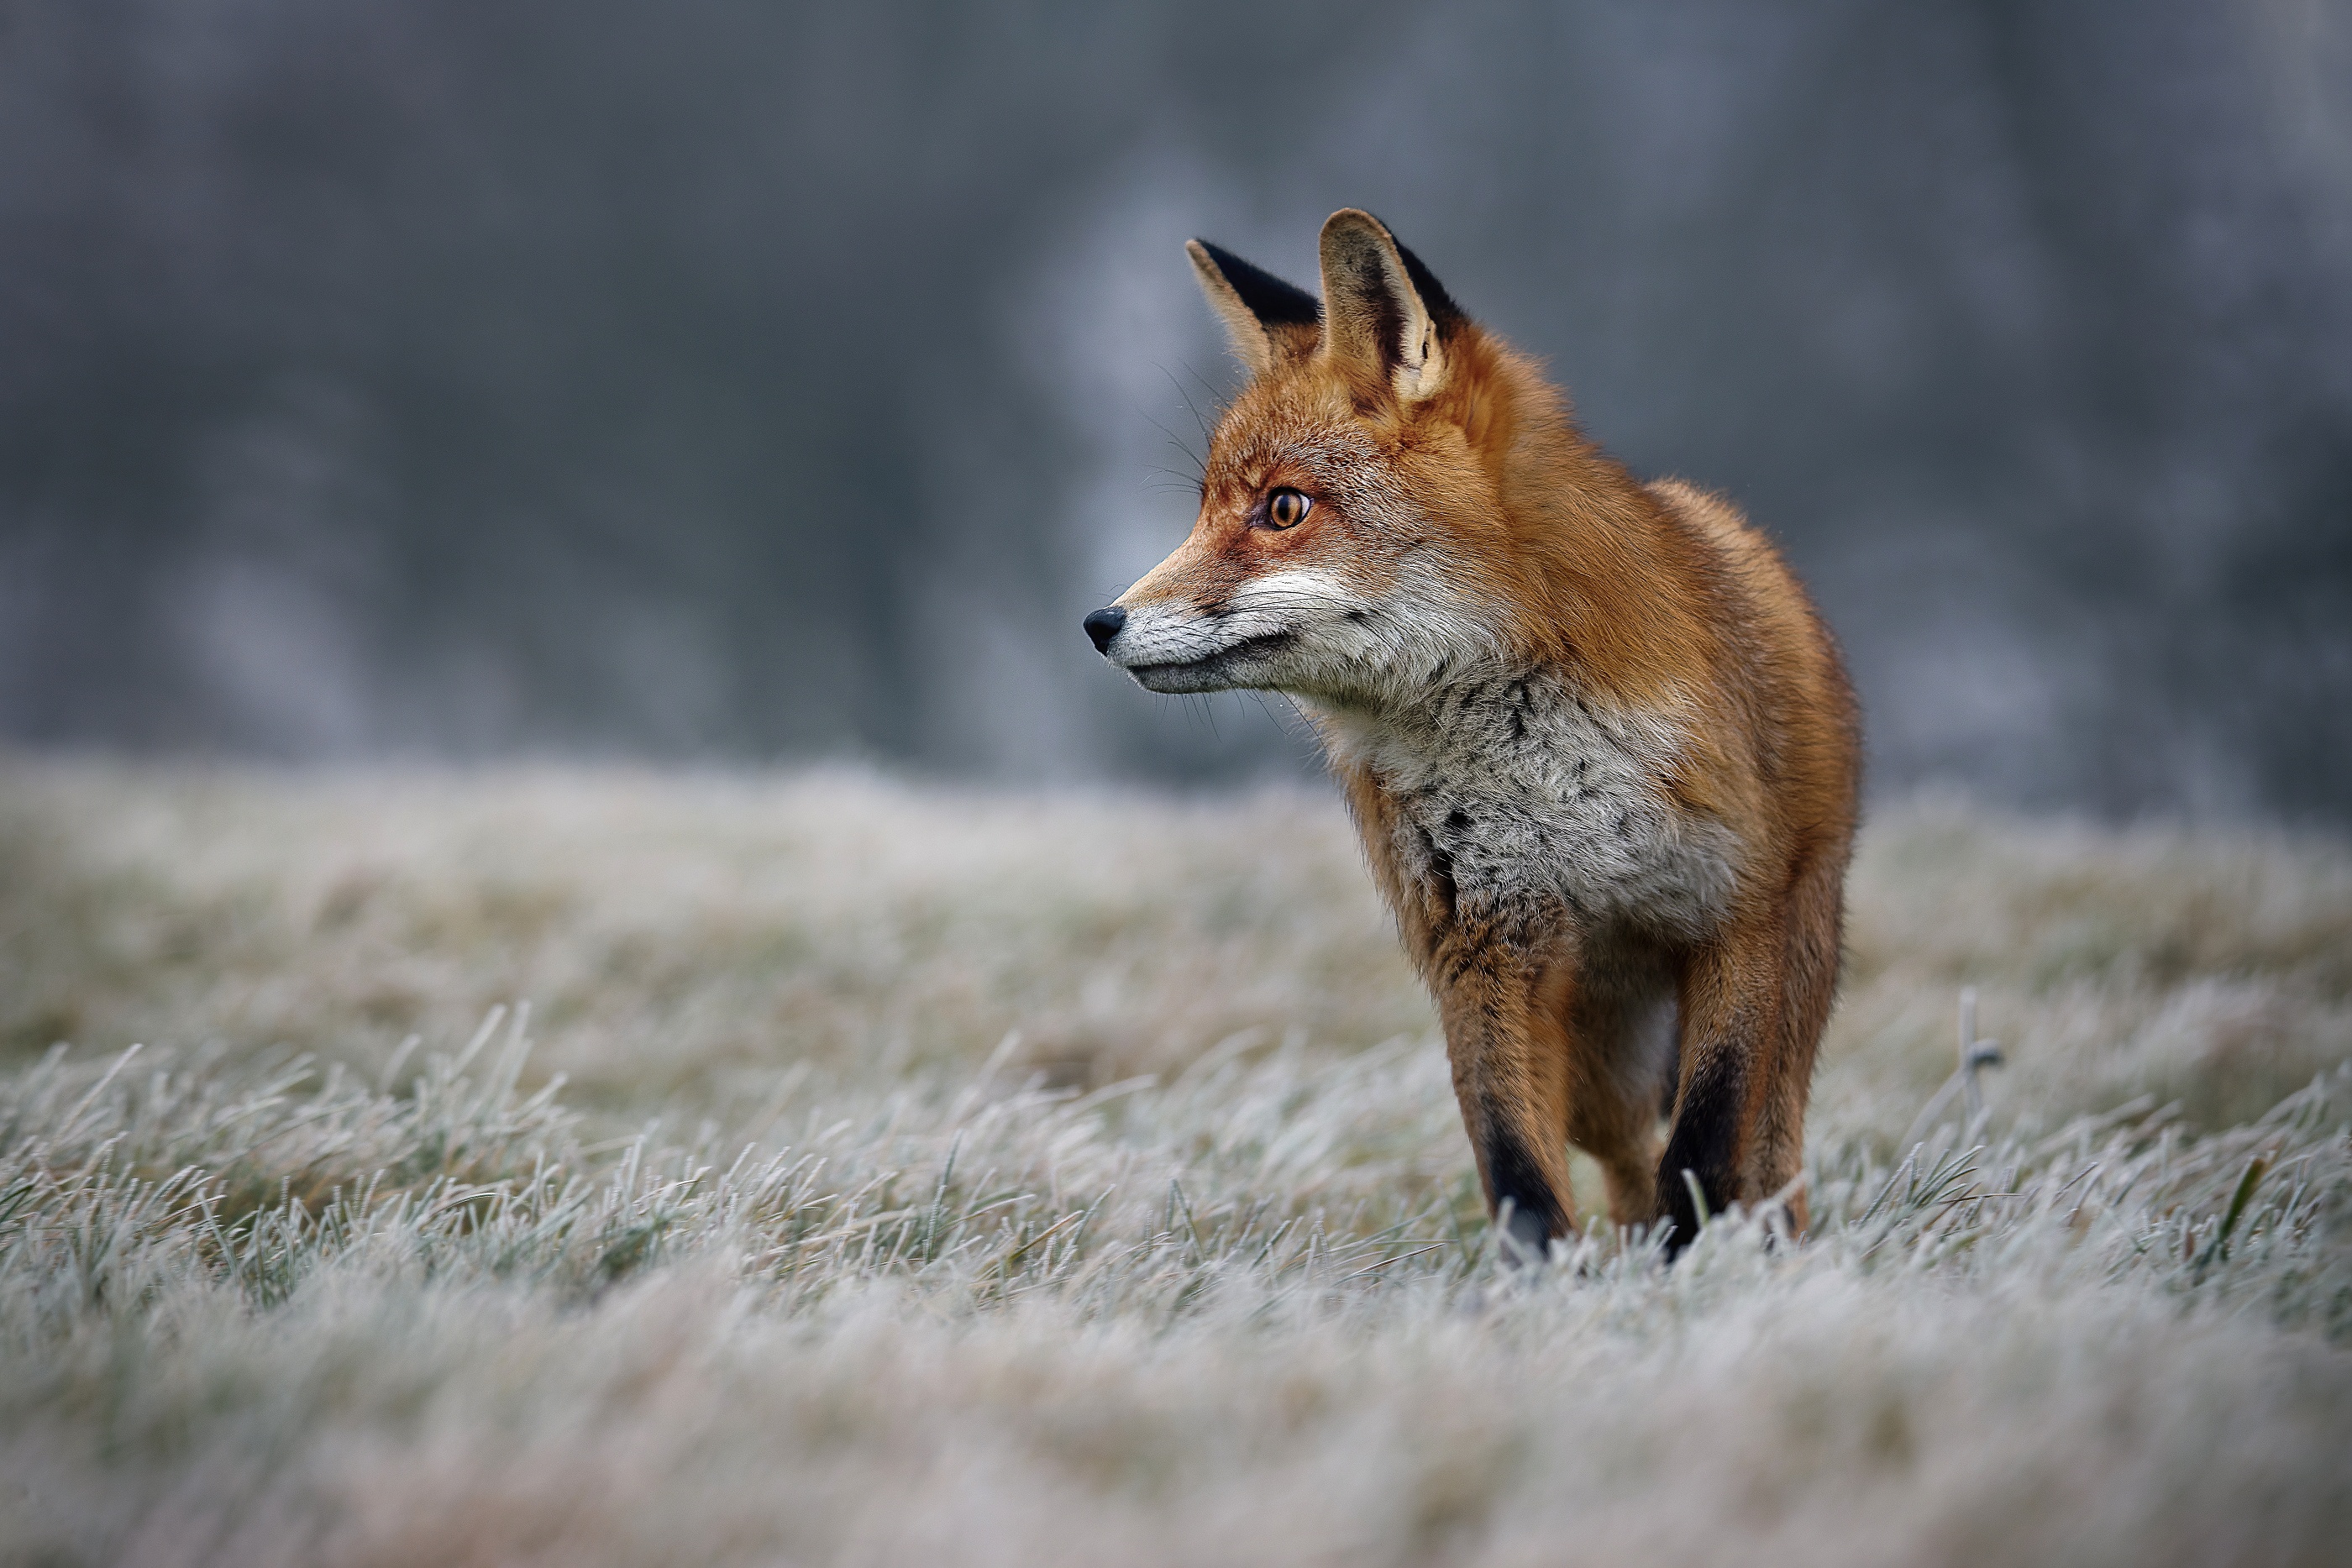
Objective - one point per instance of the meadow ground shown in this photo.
(890, 1175)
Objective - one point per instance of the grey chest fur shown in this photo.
(1526, 798)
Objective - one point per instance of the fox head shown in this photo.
(1362, 501)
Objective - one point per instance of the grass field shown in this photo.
(890, 1174)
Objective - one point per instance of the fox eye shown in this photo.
(1286, 509)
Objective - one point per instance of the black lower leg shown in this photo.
(1700, 1174)
(1519, 1195)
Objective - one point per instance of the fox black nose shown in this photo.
(1104, 625)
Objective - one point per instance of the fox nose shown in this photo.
(1104, 625)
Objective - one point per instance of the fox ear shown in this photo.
(1267, 318)
(1381, 309)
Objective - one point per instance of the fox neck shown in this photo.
(1596, 576)
(1577, 567)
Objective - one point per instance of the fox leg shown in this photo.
(1776, 1153)
(1621, 1053)
(1500, 1005)
(1730, 997)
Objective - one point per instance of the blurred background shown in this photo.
(730, 379)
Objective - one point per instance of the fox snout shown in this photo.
(1260, 633)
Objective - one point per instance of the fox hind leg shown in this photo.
(1621, 1042)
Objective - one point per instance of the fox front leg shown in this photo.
(1500, 995)
(1731, 1002)
(1510, 1073)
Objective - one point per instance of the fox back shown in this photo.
(1600, 747)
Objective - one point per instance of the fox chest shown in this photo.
(1520, 796)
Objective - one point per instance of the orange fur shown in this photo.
(1599, 746)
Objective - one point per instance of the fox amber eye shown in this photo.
(1288, 508)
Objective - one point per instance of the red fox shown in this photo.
(1600, 747)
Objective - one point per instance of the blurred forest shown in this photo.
(731, 379)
